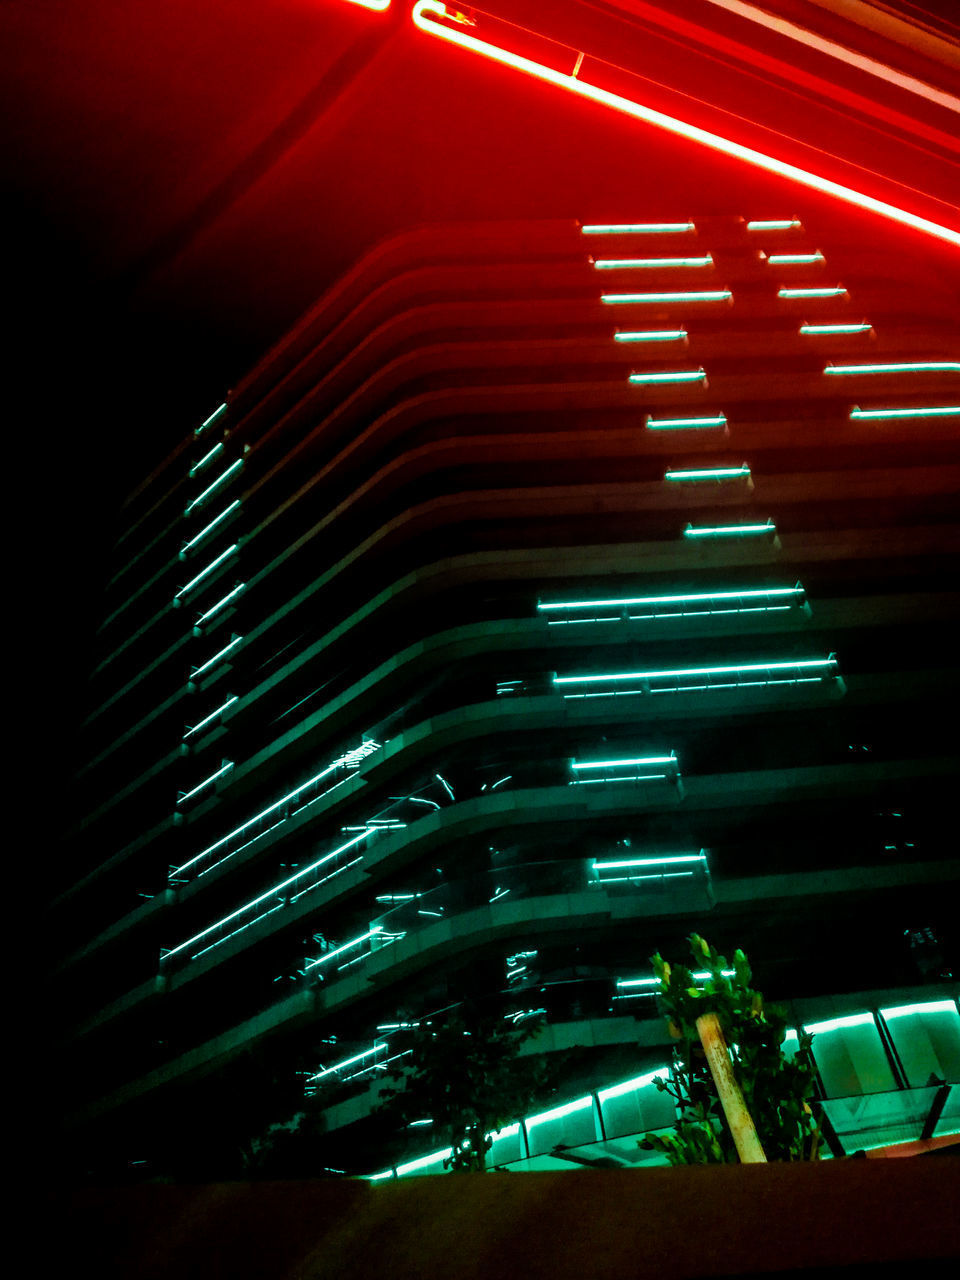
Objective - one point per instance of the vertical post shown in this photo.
(739, 1120)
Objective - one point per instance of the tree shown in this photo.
(775, 1089)
(467, 1077)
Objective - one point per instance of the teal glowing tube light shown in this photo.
(631, 264)
(265, 897)
(729, 530)
(214, 715)
(667, 861)
(347, 1062)
(794, 259)
(557, 1113)
(899, 366)
(214, 417)
(650, 335)
(631, 1086)
(354, 942)
(906, 1010)
(710, 473)
(679, 295)
(423, 1163)
(689, 598)
(823, 330)
(840, 1024)
(827, 291)
(207, 782)
(773, 224)
(207, 457)
(636, 228)
(220, 654)
(209, 528)
(211, 488)
(712, 421)
(613, 764)
(932, 411)
(670, 376)
(221, 604)
(195, 582)
(806, 664)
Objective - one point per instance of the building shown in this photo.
(551, 589)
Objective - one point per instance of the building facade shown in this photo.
(552, 590)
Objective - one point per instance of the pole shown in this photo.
(739, 1120)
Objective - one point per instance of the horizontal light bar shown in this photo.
(680, 295)
(221, 479)
(773, 224)
(264, 897)
(710, 473)
(630, 264)
(209, 528)
(650, 335)
(672, 860)
(557, 1113)
(428, 15)
(354, 942)
(729, 530)
(827, 291)
(221, 604)
(901, 366)
(222, 653)
(932, 411)
(803, 663)
(207, 457)
(207, 782)
(825, 329)
(631, 1086)
(794, 259)
(423, 1163)
(906, 1010)
(208, 422)
(839, 1024)
(697, 597)
(686, 424)
(378, 6)
(636, 228)
(674, 375)
(214, 715)
(347, 1062)
(611, 764)
(195, 582)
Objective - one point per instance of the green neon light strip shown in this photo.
(675, 375)
(195, 582)
(221, 479)
(423, 1163)
(557, 1113)
(686, 424)
(710, 473)
(729, 530)
(650, 862)
(629, 264)
(207, 457)
(348, 1062)
(632, 1086)
(836, 291)
(208, 422)
(934, 411)
(222, 653)
(906, 1010)
(264, 897)
(773, 224)
(806, 664)
(824, 329)
(214, 715)
(612, 764)
(839, 1024)
(207, 782)
(754, 594)
(198, 537)
(221, 604)
(636, 228)
(354, 942)
(794, 259)
(685, 295)
(650, 335)
(904, 366)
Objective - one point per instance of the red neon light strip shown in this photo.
(379, 6)
(426, 13)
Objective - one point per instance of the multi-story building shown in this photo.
(550, 590)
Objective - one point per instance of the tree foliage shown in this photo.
(465, 1074)
(775, 1088)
